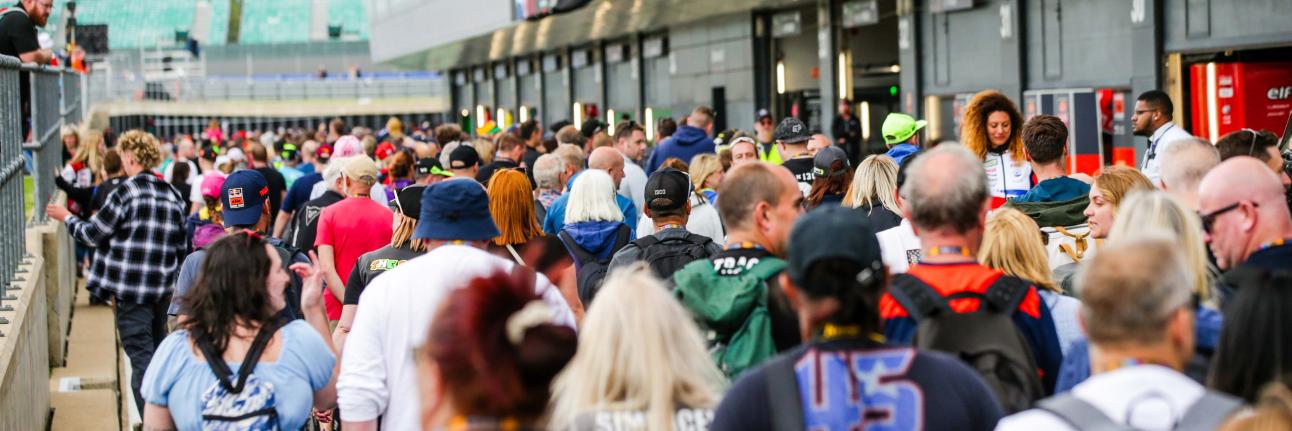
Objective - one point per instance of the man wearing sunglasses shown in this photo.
(1245, 216)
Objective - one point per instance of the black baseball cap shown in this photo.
(791, 131)
(463, 157)
(430, 166)
(408, 201)
(830, 161)
(763, 113)
(667, 189)
(591, 126)
(828, 233)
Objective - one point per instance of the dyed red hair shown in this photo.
(481, 371)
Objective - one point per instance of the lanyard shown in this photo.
(948, 250)
(836, 332)
(670, 226)
(1276, 243)
(742, 246)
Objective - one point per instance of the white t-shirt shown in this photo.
(1162, 137)
(899, 247)
(1144, 397)
(193, 173)
(704, 220)
(378, 374)
(1006, 177)
(633, 186)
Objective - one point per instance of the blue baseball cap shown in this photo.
(455, 210)
(242, 198)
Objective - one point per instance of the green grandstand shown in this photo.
(256, 22)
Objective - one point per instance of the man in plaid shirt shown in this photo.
(138, 240)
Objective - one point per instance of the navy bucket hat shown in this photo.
(455, 210)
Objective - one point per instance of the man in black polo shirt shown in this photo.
(18, 30)
(18, 39)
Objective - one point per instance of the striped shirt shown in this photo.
(138, 240)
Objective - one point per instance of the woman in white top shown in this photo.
(992, 130)
(641, 363)
(1012, 244)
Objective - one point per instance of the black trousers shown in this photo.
(141, 328)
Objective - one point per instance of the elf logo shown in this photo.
(1279, 93)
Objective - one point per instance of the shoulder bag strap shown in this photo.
(623, 235)
(783, 394)
(515, 255)
(646, 242)
(257, 348)
(1209, 411)
(216, 362)
(918, 298)
(574, 247)
(1006, 293)
(1079, 414)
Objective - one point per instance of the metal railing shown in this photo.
(55, 100)
(106, 88)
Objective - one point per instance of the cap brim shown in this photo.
(471, 229)
(795, 140)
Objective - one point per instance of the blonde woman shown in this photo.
(1146, 209)
(1012, 244)
(641, 363)
(706, 174)
(874, 192)
(83, 169)
(1149, 208)
(403, 247)
(1112, 185)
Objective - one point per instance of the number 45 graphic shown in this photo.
(859, 391)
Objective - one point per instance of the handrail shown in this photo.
(54, 100)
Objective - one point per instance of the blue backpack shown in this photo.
(247, 403)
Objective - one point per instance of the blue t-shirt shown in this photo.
(299, 193)
(178, 376)
(856, 384)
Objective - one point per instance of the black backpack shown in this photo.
(592, 270)
(987, 340)
(667, 256)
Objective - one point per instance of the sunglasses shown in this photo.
(1209, 219)
(1251, 147)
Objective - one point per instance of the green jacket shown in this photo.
(1051, 214)
(733, 309)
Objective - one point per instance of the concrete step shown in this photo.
(85, 410)
(85, 393)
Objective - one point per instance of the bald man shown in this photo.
(603, 158)
(1183, 165)
(610, 160)
(1245, 216)
(818, 142)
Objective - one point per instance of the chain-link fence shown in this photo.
(54, 99)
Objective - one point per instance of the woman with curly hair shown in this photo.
(992, 130)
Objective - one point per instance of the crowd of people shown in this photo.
(581, 278)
